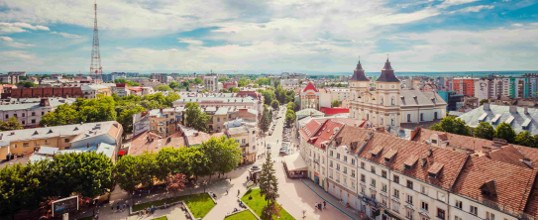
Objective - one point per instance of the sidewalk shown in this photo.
(333, 201)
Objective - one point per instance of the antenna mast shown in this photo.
(95, 67)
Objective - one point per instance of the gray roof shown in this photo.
(308, 112)
(411, 97)
(518, 119)
(358, 74)
(387, 74)
(33, 103)
(80, 131)
(247, 99)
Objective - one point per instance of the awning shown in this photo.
(295, 162)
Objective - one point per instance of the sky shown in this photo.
(269, 36)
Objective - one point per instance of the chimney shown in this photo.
(44, 102)
(513, 109)
(486, 107)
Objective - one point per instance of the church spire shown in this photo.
(387, 73)
(358, 74)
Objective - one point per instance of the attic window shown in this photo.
(35, 133)
(489, 188)
(390, 155)
(76, 129)
(496, 118)
(483, 116)
(526, 123)
(435, 170)
(510, 120)
(50, 131)
(410, 162)
(376, 151)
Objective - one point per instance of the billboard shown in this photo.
(65, 205)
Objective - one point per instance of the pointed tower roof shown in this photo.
(358, 74)
(310, 86)
(387, 74)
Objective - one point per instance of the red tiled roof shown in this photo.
(310, 128)
(513, 184)
(333, 111)
(310, 86)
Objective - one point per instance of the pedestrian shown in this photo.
(324, 204)
(118, 206)
(226, 192)
(238, 192)
(304, 213)
(112, 207)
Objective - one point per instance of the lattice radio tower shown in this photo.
(95, 67)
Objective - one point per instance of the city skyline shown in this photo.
(452, 35)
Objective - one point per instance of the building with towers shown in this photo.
(309, 97)
(384, 103)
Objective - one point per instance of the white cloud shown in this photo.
(67, 35)
(12, 43)
(190, 41)
(474, 8)
(18, 27)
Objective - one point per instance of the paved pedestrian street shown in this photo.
(297, 196)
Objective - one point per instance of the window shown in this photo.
(457, 218)
(408, 117)
(384, 187)
(396, 207)
(33, 113)
(396, 193)
(396, 179)
(15, 115)
(66, 140)
(33, 121)
(458, 204)
(372, 183)
(337, 155)
(473, 210)
(352, 161)
(409, 199)
(409, 213)
(331, 153)
(421, 116)
(409, 184)
(345, 170)
(7, 116)
(362, 165)
(384, 173)
(440, 213)
(337, 166)
(423, 190)
(42, 113)
(490, 216)
(363, 178)
(352, 173)
(345, 158)
(23, 115)
(435, 115)
(392, 101)
(424, 206)
(372, 169)
(25, 144)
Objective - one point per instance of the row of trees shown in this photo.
(290, 113)
(90, 174)
(266, 118)
(486, 131)
(107, 108)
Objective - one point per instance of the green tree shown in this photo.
(175, 182)
(172, 161)
(484, 101)
(10, 125)
(275, 104)
(89, 174)
(535, 139)
(126, 173)
(102, 108)
(26, 84)
(265, 120)
(17, 189)
(269, 188)
(505, 131)
(63, 115)
(163, 87)
(336, 103)
(173, 85)
(125, 115)
(263, 81)
(197, 81)
(524, 138)
(484, 130)
(222, 153)
(243, 82)
(290, 117)
(198, 163)
(195, 117)
(452, 125)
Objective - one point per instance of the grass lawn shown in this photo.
(199, 204)
(161, 218)
(257, 203)
(244, 215)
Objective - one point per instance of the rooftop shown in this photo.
(520, 118)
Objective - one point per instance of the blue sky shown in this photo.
(270, 36)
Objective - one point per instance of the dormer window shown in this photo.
(390, 155)
(435, 170)
(375, 152)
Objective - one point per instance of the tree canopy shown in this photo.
(505, 131)
(452, 125)
(11, 124)
(195, 117)
(484, 130)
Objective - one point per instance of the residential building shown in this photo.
(429, 175)
(216, 100)
(464, 86)
(245, 135)
(91, 91)
(43, 92)
(77, 137)
(328, 95)
(11, 77)
(121, 89)
(211, 83)
(163, 122)
(30, 111)
(390, 106)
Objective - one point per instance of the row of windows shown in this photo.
(23, 115)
